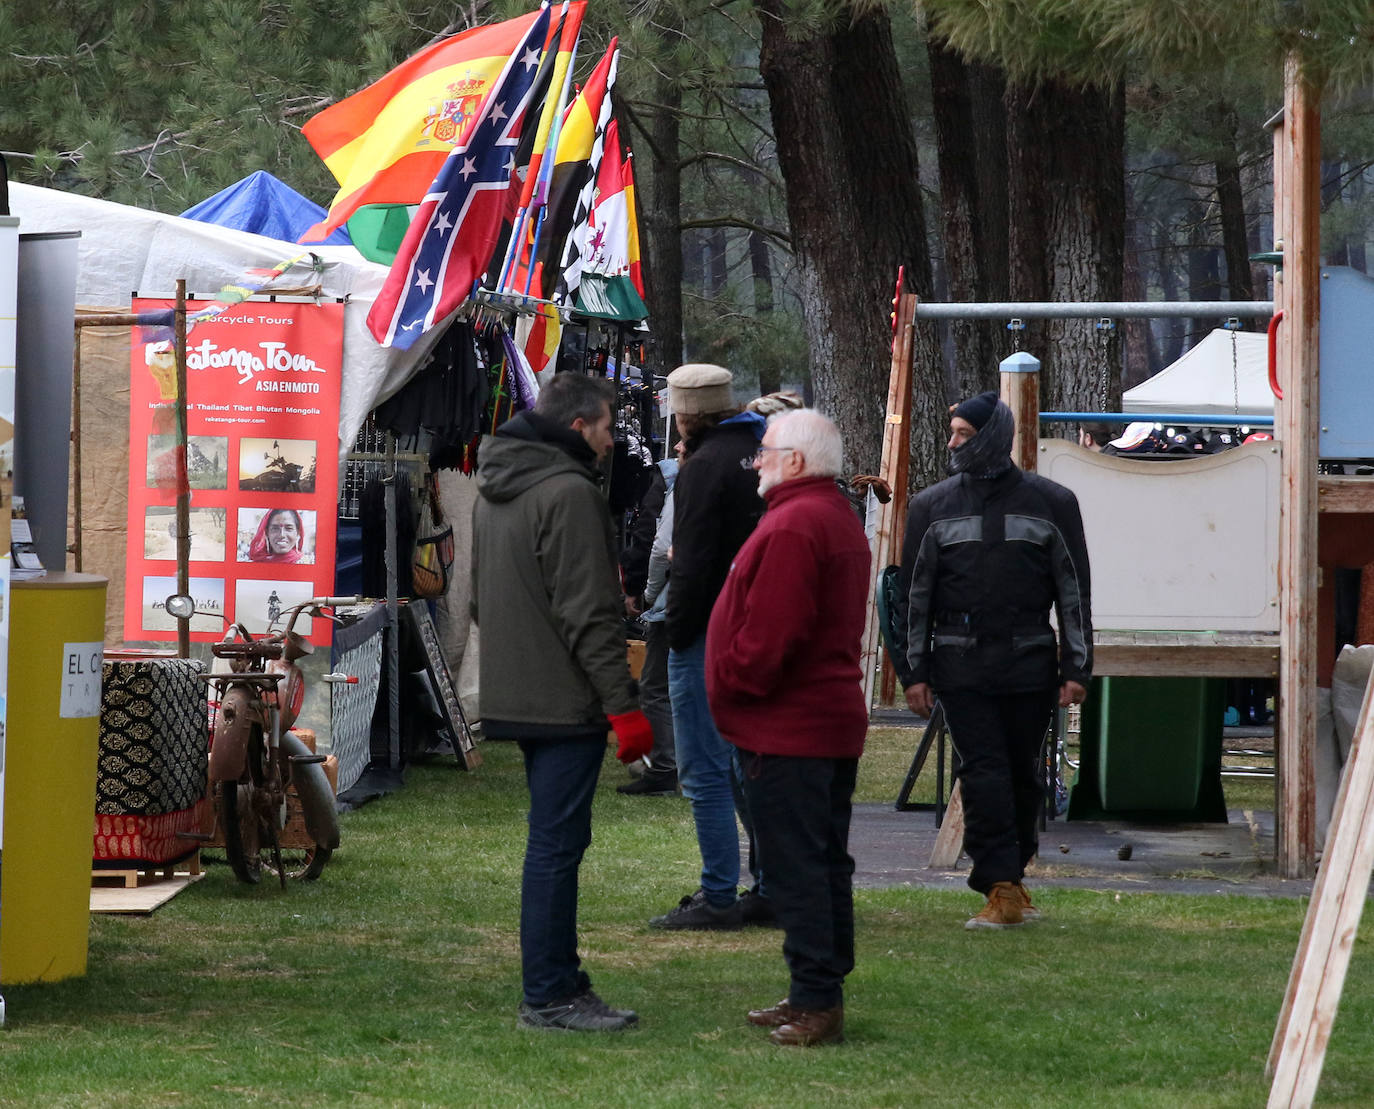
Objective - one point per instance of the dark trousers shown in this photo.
(654, 699)
(561, 775)
(998, 740)
(801, 809)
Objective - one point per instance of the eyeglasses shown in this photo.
(758, 454)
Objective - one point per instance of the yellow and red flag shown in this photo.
(385, 144)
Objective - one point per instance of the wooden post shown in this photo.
(77, 546)
(1020, 377)
(896, 460)
(1297, 206)
(183, 475)
(1315, 983)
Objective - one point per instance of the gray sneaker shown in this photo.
(584, 1013)
(695, 913)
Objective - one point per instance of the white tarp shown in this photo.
(126, 250)
(1226, 374)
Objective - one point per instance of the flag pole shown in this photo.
(549, 124)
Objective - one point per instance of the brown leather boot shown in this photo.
(1029, 912)
(773, 1017)
(1003, 909)
(808, 1027)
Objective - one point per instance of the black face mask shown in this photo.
(987, 454)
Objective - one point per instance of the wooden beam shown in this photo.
(1317, 978)
(1297, 206)
(886, 545)
(1345, 494)
(950, 842)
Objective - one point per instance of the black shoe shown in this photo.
(584, 1013)
(654, 783)
(757, 909)
(696, 914)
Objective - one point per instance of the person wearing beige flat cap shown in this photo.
(715, 507)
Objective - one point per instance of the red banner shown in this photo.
(262, 426)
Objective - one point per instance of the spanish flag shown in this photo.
(386, 143)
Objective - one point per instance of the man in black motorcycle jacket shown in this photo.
(987, 552)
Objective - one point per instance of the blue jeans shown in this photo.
(561, 775)
(706, 772)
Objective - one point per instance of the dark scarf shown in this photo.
(988, 454)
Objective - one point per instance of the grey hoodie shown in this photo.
(545, 592)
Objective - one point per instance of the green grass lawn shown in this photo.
(394, 981)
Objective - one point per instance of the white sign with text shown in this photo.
(81, 679)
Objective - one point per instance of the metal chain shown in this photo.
(1233, 324)
(1106, 328)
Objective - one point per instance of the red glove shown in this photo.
(635, 735)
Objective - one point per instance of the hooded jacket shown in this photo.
(982, 562)
(545, 591)
(715, 506)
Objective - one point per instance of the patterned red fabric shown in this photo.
(132, 838)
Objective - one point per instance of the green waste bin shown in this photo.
(1150, 750)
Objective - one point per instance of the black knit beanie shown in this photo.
(976, 410)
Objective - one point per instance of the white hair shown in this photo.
(814, 436)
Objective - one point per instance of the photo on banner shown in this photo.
(262, 418)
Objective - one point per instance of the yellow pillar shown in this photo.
(57, 626)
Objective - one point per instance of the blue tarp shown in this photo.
(262, 204)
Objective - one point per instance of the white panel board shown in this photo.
(1186, 545)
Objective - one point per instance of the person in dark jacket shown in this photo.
(658, 777)
(786, 688)
(987, 552)
(553, 669)
(715, 507)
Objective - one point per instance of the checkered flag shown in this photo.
(577, 251)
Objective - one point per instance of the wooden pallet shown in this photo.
(135, 877)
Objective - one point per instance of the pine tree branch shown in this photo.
(777, 234)
(729, 159)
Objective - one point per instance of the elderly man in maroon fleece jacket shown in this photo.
(784, 683)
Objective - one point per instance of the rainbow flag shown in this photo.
(386, 143)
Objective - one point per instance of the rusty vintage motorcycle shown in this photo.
(261, 774)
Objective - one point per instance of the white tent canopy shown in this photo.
(1226, 374)
(125, 250)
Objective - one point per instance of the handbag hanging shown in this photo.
(433, 559)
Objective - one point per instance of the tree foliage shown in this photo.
(1100, 41)
(163, 104)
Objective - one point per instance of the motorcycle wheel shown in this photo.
(304, 864)
(247, 841)
(240, 828)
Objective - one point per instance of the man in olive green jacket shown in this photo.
(553, 671)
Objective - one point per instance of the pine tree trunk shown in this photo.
(1231, 209)
(1204, 270)
(761, 270)
(1139, 357)
(1066, 158)
(848, 157)
(970, 133)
